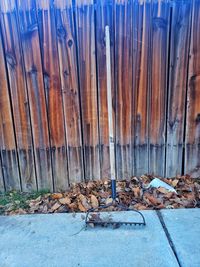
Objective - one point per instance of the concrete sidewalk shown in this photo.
(171, 240)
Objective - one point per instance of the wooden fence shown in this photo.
(53, 107)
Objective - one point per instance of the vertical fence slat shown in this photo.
(123, 79)
(179, 50)
(192, 150)
(69, 82)
(88, 87)
(104, 16)
(2, 188)
(53, 99)
(8, 148)
(35, 85)
(141, 94)
(20, 105)
(52, 83)
(137, 35)
(158, 85)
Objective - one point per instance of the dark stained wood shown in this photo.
(88, 86)
(47, 31)
(192, 150)
(20, 105)
(158, 85)
(123, 80)
(141, 63)
(179, 50)
(104, 16)
(8, 148)
(69, 82)
(36, 92)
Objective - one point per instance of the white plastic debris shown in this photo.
(158, 183)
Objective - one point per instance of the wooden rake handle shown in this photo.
(110, 117)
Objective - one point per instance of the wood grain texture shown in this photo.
(8, 149)
(158, 85)
(35, 84)
(141, 61)
(179, 50)
(69, 82)
(53, 98)
(192, 150)
(18, 91)
(52, 82)
(104, 16)
(137, 35)
(123, 79)
(2, 187)
(88, 86)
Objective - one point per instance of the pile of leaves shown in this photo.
(83, 196)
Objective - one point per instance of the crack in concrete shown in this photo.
(160, 217)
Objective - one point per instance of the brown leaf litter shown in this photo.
(133, 193)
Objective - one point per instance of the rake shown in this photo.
(93, 217)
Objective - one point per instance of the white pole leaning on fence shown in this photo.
(109, 104)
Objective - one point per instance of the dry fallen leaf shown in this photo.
(152, 199)
(136, 191)
(81, 207)
(190, 196)
(55, 207)
(65, 200)
(139, 206)
(163, 190)
(94, 202)
(161, 206)
(109, 201)
(90, 185)
(84, 202)
(133, 193)
(175, 182)
(57, 195)
(73, 206)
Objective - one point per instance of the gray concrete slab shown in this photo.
(184, 228)
(49, 240)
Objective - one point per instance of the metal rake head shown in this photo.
(95, 218)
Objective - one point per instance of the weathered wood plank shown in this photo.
(141, 89)
(123, 78)
(137, 35)
(88, 87)
(192, 150)
(35, 84)
(179, 50)
(158, 85)
(48, 40)
(8, 148)
(104, 16)
(69, 82)
(18, 91)
(2, 187)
